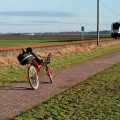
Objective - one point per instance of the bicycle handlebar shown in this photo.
(46, 60)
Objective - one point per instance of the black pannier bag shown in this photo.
(24, 58)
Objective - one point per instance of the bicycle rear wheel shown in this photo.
(33, 77)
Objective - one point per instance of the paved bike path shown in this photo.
(17, 97)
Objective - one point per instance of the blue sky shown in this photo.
(56, 15)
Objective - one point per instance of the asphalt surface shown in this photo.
(17, 97)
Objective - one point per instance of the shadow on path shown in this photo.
(15, 86)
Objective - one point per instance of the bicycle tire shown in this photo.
(33, 77)
(51, 78)
(50, 75)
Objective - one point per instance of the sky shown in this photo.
(39, 16)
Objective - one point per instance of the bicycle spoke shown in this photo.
(33, 78)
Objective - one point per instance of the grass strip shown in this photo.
(18, 72)
(96, 98)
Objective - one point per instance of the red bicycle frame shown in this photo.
(39, 66)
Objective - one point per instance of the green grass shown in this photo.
(65, 60)
(12, 74)
(16, 40)
(4, 43)
(96, 98)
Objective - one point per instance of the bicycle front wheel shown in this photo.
(49, 75)
(33, 77)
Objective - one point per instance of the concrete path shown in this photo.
(17, 97)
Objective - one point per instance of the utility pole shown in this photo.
(97, 22)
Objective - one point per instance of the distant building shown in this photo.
(31, 34)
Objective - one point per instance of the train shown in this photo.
(115, 29)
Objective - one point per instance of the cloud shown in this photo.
(28, 23)
(37, 22)
(36, 14)
(4, 23)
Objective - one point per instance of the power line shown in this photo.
(109, 8)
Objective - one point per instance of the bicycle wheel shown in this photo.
(50, 75)
(33, 77)
(51, 78)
